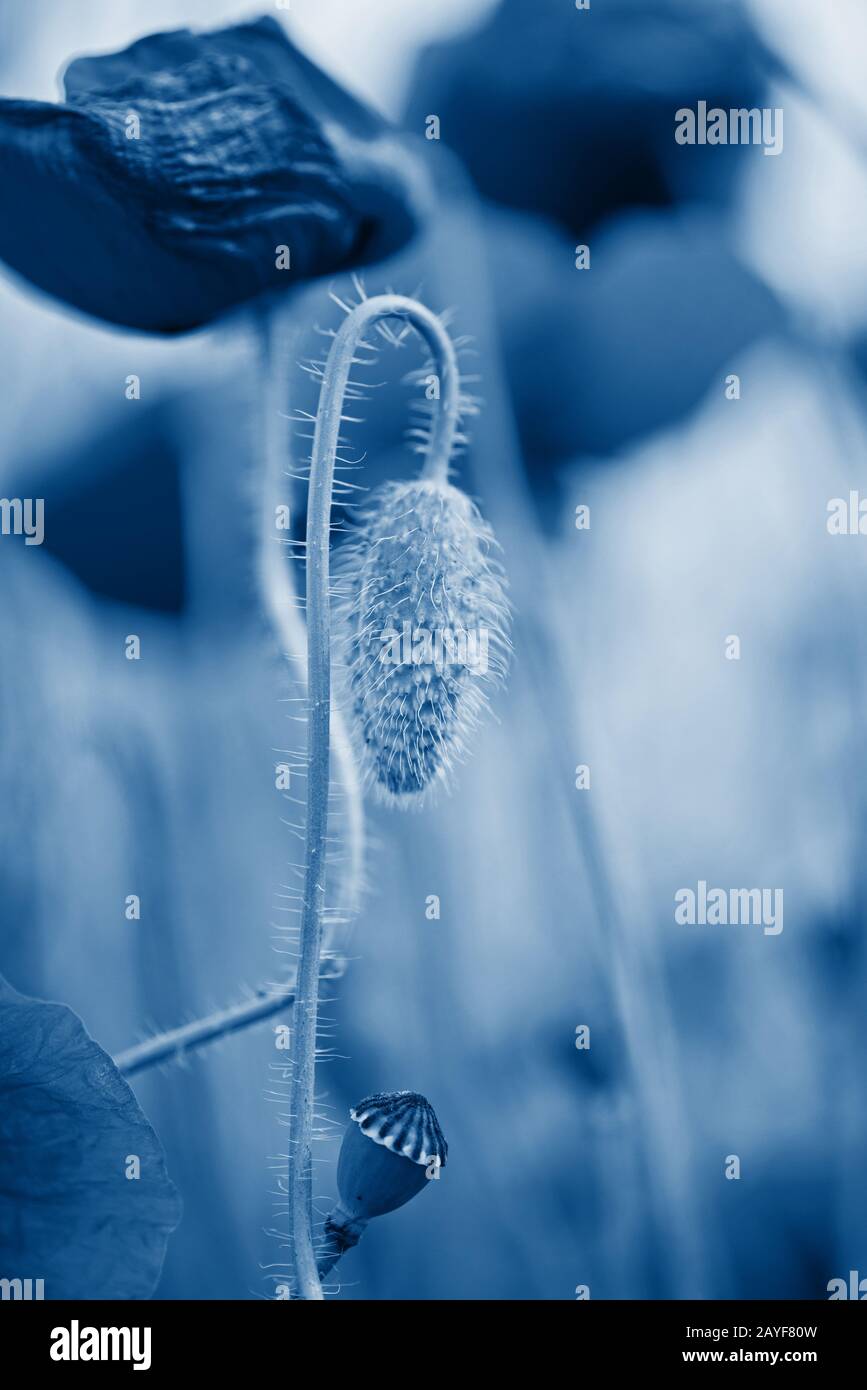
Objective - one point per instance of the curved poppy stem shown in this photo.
(278, 343)
(342, 356)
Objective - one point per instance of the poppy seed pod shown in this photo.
(388, 1154)
(425, 621)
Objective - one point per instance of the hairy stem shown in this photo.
(347, 341)
(172, 1046)
(280, 600)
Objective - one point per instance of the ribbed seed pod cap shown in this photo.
(425, 624)
(387, 1153)
(404, 1122)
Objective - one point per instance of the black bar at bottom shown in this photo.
(258, 1337)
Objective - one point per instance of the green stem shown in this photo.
(347, 340)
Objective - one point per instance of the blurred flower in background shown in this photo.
(573, 121)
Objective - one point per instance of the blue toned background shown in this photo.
(604, 388)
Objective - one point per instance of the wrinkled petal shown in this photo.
(260, 48)
(69, 1123)
(242, 147)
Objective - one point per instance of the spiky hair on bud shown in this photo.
(423, 620)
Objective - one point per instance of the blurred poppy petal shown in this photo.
(575, 118)
(69, 1129)
(158, 195)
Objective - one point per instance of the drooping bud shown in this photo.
(390, 1151)
(425, 624)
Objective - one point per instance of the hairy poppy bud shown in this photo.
(394, 1145)
(426, 632)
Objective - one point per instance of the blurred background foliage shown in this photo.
(708, 518)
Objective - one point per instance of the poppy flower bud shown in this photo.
(425, 620)
(390, 1151)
